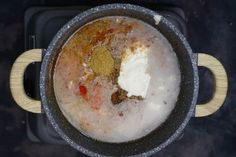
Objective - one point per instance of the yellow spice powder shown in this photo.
(101, 61)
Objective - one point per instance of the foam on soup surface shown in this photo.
(116, 79)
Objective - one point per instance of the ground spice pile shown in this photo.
(101, 62)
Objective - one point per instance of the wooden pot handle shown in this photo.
(221, 85)
(17, 78)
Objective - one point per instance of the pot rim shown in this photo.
(86, 13)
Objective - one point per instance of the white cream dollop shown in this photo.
(133, 76)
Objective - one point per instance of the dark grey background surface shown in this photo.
(211, 28)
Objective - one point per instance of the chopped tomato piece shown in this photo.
(83, 92)
(97, 101)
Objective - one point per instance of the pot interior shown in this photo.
(158, 138)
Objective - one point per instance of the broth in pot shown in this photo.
(116, 79)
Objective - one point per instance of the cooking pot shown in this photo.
(161, 136)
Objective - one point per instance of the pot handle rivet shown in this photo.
(17, 78)
(221, 85)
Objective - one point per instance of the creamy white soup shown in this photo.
(116, 79)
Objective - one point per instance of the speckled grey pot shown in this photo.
(159, 138)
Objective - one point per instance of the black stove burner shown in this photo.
(41, 24)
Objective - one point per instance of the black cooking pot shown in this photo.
(157, 139)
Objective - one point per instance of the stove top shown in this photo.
(41, 24)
